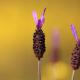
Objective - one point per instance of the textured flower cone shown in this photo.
(39, 43)
(76, 57)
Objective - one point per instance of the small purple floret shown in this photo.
(39, 25)
(74, 32)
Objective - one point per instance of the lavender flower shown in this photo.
(55, 56)
(39, 37)
(75, 59)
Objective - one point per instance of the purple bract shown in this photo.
(74, 32)
(39, 22)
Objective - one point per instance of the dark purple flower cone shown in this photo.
(39, 43)
(75, 60)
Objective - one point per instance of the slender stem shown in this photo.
(73, 73)
(39, 69)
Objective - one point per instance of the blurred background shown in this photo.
(17, 59)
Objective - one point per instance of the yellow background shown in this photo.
(17, 60)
